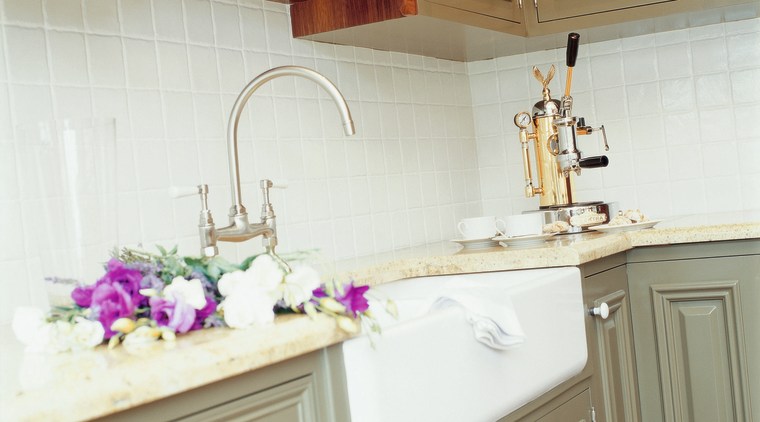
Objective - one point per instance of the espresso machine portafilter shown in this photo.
(557, 157)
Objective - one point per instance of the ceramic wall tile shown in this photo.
(68, 59)
(26, 59)
(23, 11)
(136, 18)
(169, 20)
(173, 66)
(198, 21)
(64, 14)
(106, 61)
(102, 16)
(141, 63)
(226, 25)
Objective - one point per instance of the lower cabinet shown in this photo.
(574, 410)
(297, 390)
(696, 319)
(614, 384)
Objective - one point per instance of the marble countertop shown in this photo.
(96, 383)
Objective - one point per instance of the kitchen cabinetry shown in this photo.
(297, 390)
(697, 327)
(552, 16)
(467, 30)
(614, 385)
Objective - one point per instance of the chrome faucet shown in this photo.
(239, 228)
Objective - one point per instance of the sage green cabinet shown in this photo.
(611, 350)
(577, 409)
(696, 319)
(297, 390)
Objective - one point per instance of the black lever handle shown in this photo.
(572, 48)
(594, 162)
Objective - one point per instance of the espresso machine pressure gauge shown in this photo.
(522, 120)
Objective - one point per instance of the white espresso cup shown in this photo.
(524, 224)
(480, 227)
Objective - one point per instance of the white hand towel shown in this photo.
(490, 312)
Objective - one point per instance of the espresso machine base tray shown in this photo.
(579, 216)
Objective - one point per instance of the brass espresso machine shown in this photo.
(557, 157)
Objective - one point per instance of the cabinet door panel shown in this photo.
(699, 338)
(574, 410)
(616, 356)
(697, 342)
(500, 9)
(615, 386)
(550, 10)
(293, 401)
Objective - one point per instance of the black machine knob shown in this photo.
(594, 162)
(581, 122)
(572, 48)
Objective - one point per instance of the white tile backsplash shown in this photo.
(423, 157)
(677, 107)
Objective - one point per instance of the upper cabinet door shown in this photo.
(551, 10)
(509, 10)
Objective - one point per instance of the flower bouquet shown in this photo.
(143, 297)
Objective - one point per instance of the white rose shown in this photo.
(232, 281)
(246, 307)
(86, 334)
(60, 336)
(250, 296)
(190, 290)
(265, 273)
(30, 328)
(299, 285)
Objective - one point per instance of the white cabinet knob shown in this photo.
(602, 310)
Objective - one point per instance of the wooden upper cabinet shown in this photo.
(316, 16)
(468, 30)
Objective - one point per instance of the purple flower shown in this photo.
(128, 278)
(201, 315)
(352, 298)
(115, 295)
(172, 312)
(111, 302)
(82, 295)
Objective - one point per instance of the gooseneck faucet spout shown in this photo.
(242, 100)
(239, 229)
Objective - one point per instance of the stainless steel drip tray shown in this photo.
(580, 215)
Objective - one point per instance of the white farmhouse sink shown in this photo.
(427, 365)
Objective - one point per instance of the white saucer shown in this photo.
(477, 243)
(606, 228)
(523, 241)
